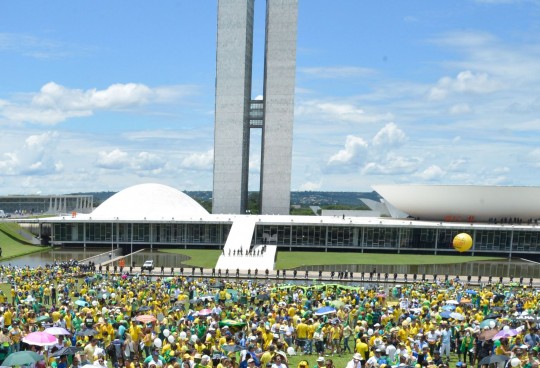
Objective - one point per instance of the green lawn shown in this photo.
(286, 260)
(206, 258)
(13, 243)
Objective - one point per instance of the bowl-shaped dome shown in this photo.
(150, 202)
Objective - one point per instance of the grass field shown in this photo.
(288, 260)
(13, 244)
(206, 258)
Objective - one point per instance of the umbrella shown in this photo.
(471, 292)
(487, 323)
(492, 359)
(40, 339)
(24, 357)
(231, 323)
(43, 319)
(145, 318)
(488, 334)
(445, 315)
(81, 303)
(144, 308)
(231, 348)
(457, 316)
(502, 334)
(57, 331)
(86, 332)
(465, 301)
(325, 310)
(263, 297)
(68, 350)
(448, 307)
(452, 302)
(205, 312)
(29, 299)
(493, 316)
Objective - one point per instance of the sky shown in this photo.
(102, 95)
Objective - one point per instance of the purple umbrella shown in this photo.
(503, 334)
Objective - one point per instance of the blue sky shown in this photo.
(102, 95)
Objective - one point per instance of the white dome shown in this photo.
(150, 202)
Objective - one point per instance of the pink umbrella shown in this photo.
(205, 312)
(40, 339)
(502, 334)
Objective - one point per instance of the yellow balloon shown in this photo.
(462, 242)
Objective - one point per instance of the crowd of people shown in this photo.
(125, 320)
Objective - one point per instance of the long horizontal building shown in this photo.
(154, 215)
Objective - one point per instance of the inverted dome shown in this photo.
(150, 202)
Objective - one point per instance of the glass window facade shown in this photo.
(405, 237)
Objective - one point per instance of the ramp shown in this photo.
(238, 252)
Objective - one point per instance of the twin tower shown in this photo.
(236, 112)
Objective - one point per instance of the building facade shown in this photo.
(236, 113)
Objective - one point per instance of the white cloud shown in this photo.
(55, 103)
(199, 161)
(392, 164)
(333, 111)
(310, 186)
(354, 147)
(146, 161)
(115, 159)
(432, 173)
(465, 82)
(460, 109)
(389, 136)
(33, 157)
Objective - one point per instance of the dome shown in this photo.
(150, 202)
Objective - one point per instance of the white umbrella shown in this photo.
(451, 301)
(57, 331)
(458, 316)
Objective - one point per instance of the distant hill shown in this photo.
(303, 199)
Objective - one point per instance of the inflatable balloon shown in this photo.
(113, 295)
(182, 335)
(370, 332)
(506, 328)
(94, 302)
(166, 333)
(171, 339)
(514, 362)
(492, 324)
(462, 242)
(157, 342)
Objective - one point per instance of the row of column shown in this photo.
(65, 204)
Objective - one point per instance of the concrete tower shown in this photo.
(236, 113)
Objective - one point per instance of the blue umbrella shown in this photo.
(448, 308)
(445, 314)
(471, 292)
(325, 310)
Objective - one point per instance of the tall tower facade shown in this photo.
(236, 113)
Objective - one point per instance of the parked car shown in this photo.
(148, 265)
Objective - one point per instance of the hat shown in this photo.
(357, 356)
(197, 356)
(320, 359)
(155, 352)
